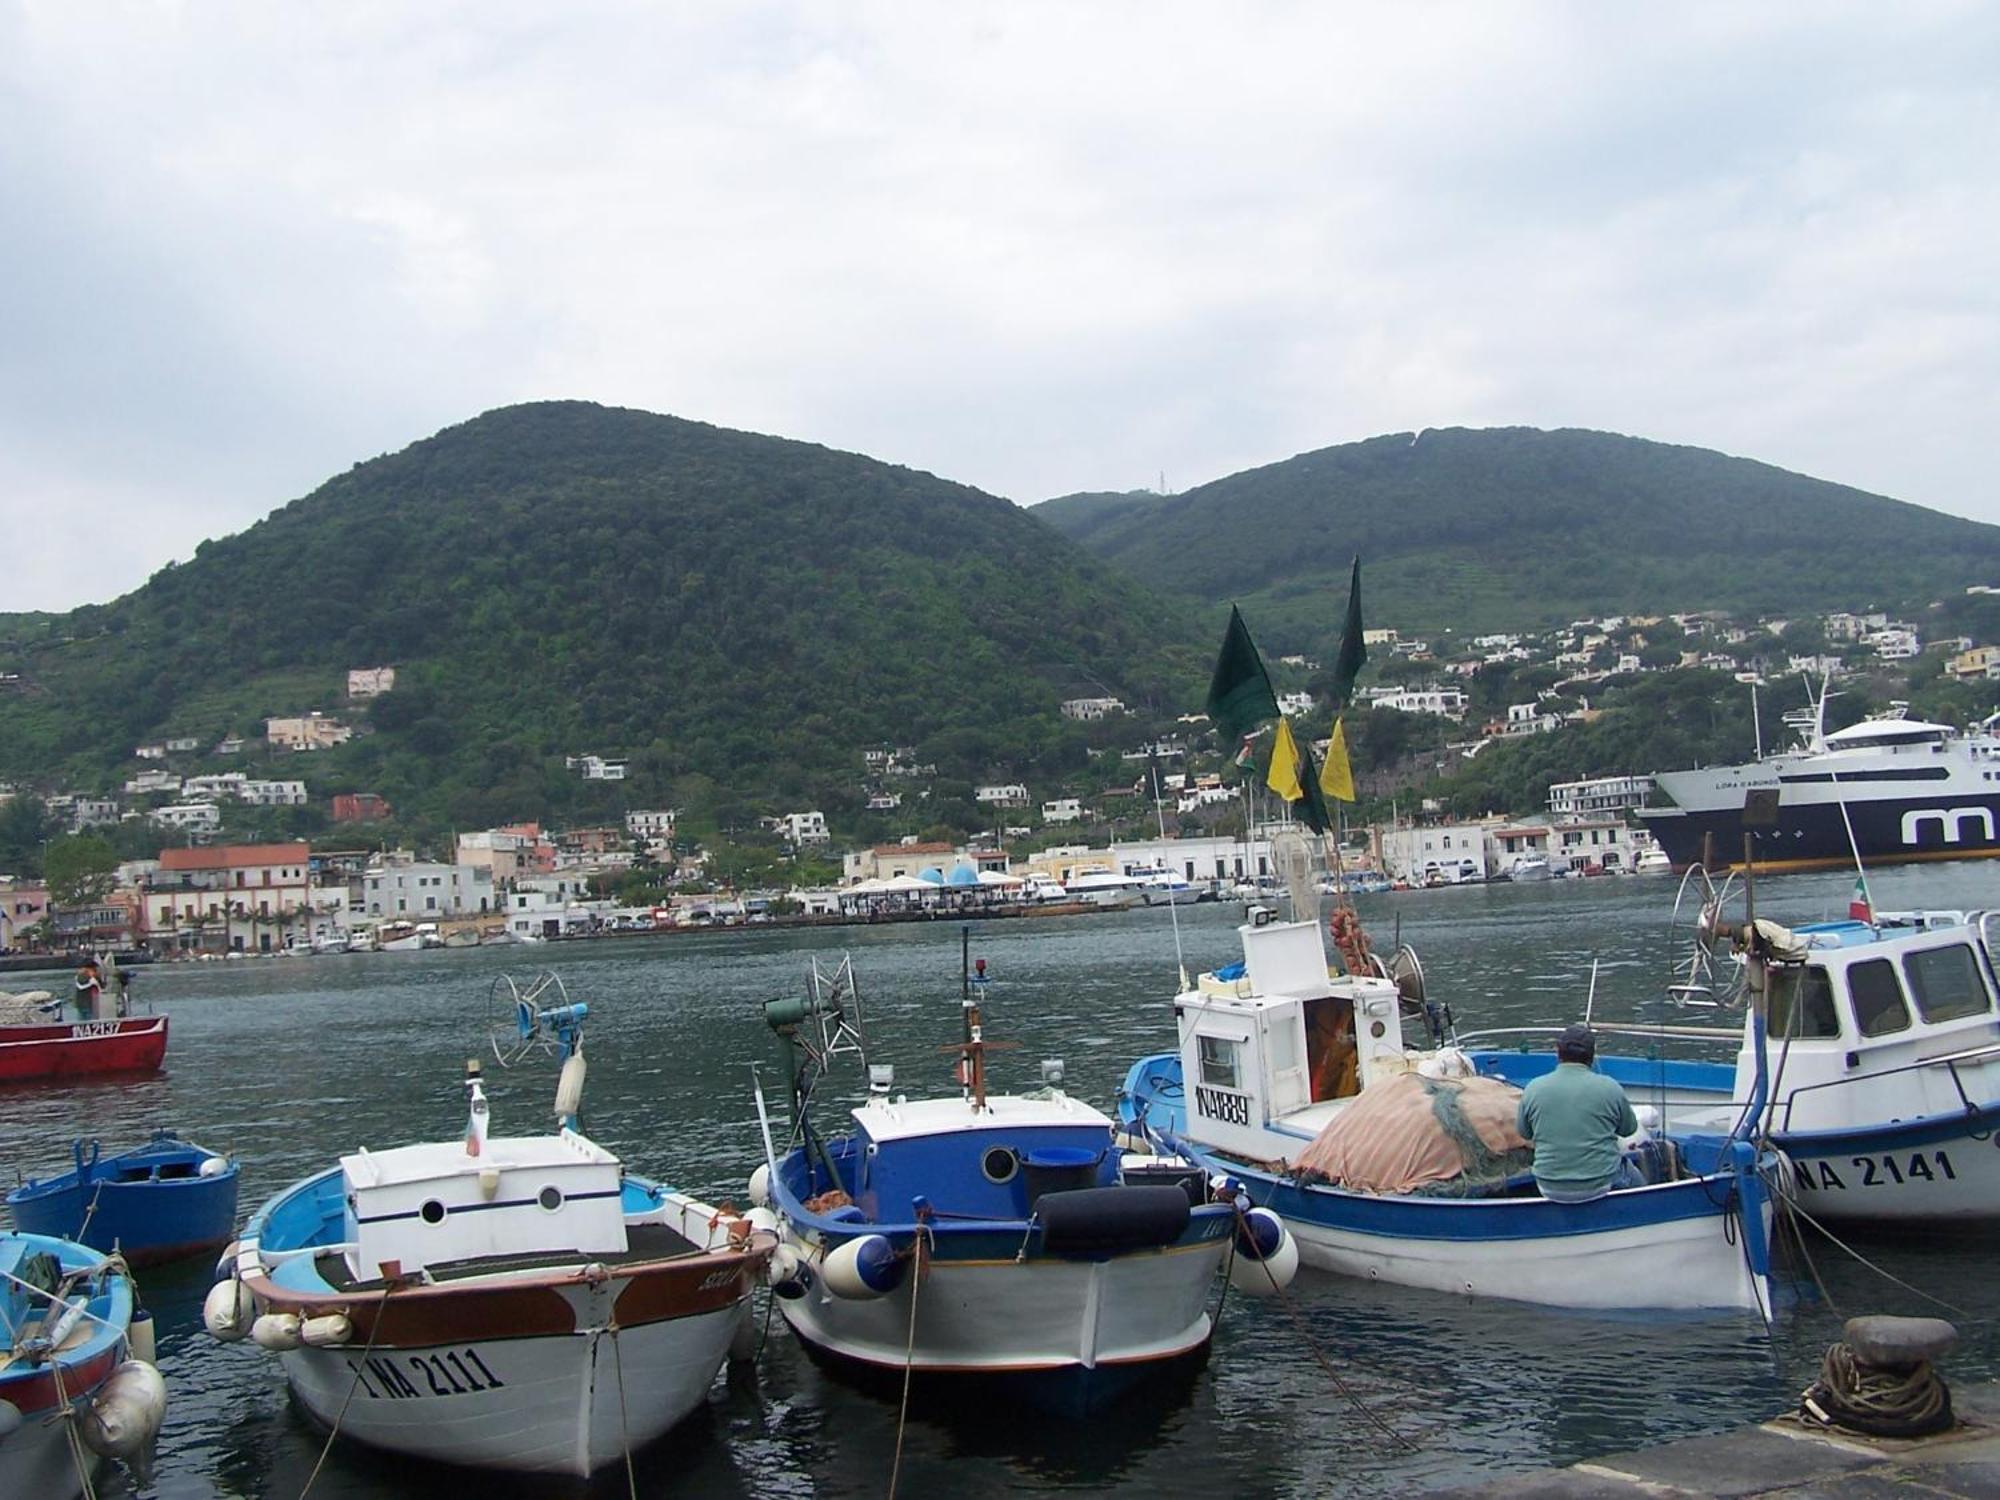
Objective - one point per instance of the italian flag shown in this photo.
(1858, 907)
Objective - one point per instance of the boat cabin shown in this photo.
(1875, 1023)
(1270, 1048)
(418, 1207)
(967, 1163)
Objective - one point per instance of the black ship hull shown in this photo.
(1813, 835)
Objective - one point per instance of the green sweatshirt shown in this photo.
(1575, 1116)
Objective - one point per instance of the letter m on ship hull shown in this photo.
(1951, 824)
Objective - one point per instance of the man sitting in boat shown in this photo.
(1574, 1115)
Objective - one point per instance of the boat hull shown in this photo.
(1074, 1333)
(1667, 1247)
(71, 1049)
(36, 1458)
(1812, 835)
(149, 1219)
(564, 1404)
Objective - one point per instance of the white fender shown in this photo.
(126, 1412)
(277, 1332)
(139, 1336)
(760, 1186)
(326, 1331)
(213, 1166)
(228, 1310)
(10, 1420)
(764, 1219)
(569, 1086)
(1247, 1274)
(863, 1268)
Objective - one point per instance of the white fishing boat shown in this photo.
(1106, 888)
(518, 1303)
(1003, 1237)
(1276, 1051)
(1528, 867)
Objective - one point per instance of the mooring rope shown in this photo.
(1890, 1276)
(1880, 1402)
(1298, 1322)
(909, 1355)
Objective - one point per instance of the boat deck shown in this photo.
(643, 1242)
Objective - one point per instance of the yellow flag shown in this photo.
(1283, 777)
(1336, 777)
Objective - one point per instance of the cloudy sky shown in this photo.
(1034, 248)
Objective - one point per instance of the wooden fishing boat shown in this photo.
(158, 1202)
(67, 1049)
(72, 1390)
(517, 1303)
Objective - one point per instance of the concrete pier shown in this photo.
(1784, 1458)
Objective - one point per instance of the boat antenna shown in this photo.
(1756, 722)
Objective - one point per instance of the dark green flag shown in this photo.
(1353, 652)
(1239, 695)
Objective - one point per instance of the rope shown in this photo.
(909, 1357)
(74, 1442)
(1298, 1323)
(1950, 1307)
(624, 1430)
(375, 1328)
(90, 1212)
(1880, 1402)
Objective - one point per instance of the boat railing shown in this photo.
(1950, 1061)
(1607, 1028)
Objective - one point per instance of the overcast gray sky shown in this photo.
(1032, 248)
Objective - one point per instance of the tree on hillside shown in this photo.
(79, 870)
(24, 825)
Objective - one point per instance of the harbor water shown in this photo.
(289, 1062)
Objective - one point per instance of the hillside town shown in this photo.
(214, 891)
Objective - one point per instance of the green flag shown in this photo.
(1292, 777)
(1239, 695)
(1353, 651)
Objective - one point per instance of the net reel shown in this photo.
(1706, 916)
(532, 1018)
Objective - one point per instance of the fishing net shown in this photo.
(1445, 1137)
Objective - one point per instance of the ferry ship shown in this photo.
(1888, 790)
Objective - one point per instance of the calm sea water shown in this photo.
(288, 1062)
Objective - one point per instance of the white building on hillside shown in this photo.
(189, 817)
(418, 890)
(370, 682)
(1087, 709)
(1063, 810)
(803, 828)
(1444, 854)
(1010, 794)
(1598, 796)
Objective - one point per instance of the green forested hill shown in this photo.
(1514, 527)
(564, 578)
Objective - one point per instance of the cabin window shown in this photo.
(1878, 999)
(1801, 1003)
(1221, 1062)
(1946, 983)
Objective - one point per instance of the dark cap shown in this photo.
(1577, 1042)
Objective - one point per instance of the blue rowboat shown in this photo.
(68, 1368)
(162, 1201)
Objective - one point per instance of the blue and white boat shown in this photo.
(1005, 1236)
(1277, 1048)
(158, 1202)
(73, 1389)
(1884, 1043)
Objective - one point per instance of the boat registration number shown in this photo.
(408, 1377)
(1876, 1171)
(94, 1028)
(1222, 1104)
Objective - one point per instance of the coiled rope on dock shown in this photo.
(1879, 1401)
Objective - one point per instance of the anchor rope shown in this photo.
(909, 1355)
(624, 1429)
(374, 1329)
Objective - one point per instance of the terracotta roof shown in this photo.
(232, 856)
(894, 849)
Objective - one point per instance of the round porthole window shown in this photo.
(432, 1212)
(550, 1198)
(999, 1164)
(1377, 1029)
